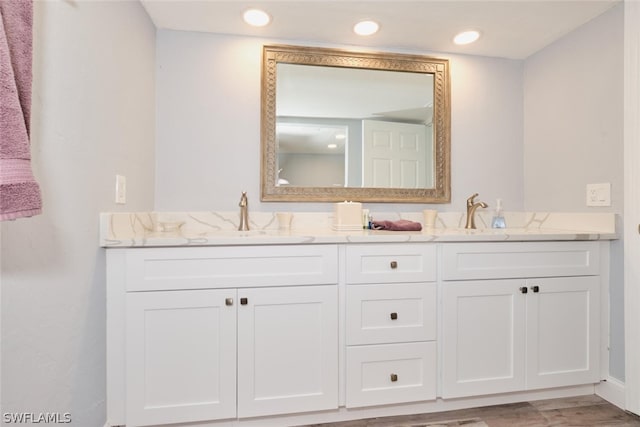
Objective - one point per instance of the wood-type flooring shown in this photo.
(582, 411)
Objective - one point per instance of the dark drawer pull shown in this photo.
(244, 301)
(394, 264)
(394, 316)
(394, 378)
(535, 288)
(524, 290)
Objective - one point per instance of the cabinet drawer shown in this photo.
(230, 267)
(392, 373)
(391, 313)
(391, 263)
(508, 260)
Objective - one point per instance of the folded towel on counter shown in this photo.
(399, 225)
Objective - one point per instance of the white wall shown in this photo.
(208, 126)
(573, 136)
(93, 117)
(632, 204)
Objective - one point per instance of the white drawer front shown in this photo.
(393, 373)
(391, 263)
(230, 267)
(506, 260)
(392, 313)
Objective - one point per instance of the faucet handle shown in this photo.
(470, 199)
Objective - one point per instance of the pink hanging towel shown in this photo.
(19, 192)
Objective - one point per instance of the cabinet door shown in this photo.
(563, 331)
(288, 350)
(483, 337)
(181, 356)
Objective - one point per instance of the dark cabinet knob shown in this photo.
(535, 288)
(244, 301)
(524, 290)
(394, 316)
(228, 301)
(394, 264)
(394, 378)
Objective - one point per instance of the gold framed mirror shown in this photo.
(341, 125)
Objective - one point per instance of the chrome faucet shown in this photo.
(244, 212)
(471, 211)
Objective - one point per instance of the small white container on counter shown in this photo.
(284, 220)
(430, 216)
(347, 216)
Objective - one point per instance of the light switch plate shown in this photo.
(599, 194)
(121, 189)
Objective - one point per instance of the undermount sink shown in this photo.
(462, 230)
(488, 230)
(234, 233)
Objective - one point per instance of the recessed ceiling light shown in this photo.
(366, 28)
(341, 136)
(466, 37)
(332, 146)
(256, 17)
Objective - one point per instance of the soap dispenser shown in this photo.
(498, 218)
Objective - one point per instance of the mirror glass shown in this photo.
(340, 125)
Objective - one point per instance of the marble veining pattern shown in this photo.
(141, 229)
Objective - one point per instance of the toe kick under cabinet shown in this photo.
(519, 316)
(197, 334)
(391, 315)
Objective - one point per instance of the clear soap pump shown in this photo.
(498, 218)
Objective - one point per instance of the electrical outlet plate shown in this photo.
(599, 194)
(121, 189)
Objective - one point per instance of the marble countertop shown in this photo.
(156, 229)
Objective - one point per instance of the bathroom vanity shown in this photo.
(290, 328)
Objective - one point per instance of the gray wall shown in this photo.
(573, 105)
(573, 136)
(93, 117)
(313, 170)
(208, 126)
(531, 132)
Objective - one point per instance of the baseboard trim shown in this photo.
(609, 392)
(439, 405)
(612, 390)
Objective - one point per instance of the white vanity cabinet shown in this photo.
(519, 316)
(391, 311)
(274, 334)
(186, 325)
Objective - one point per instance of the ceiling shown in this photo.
(510, 28)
